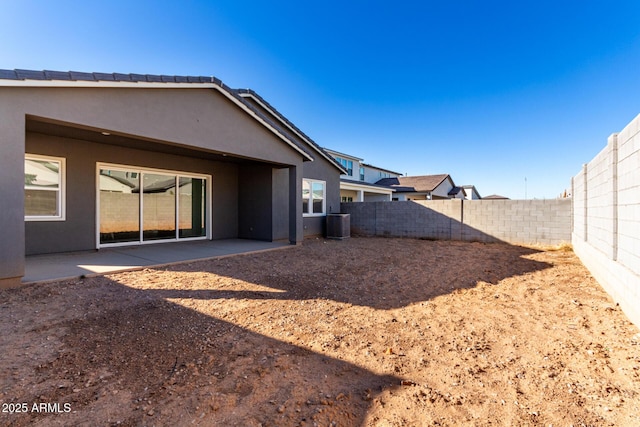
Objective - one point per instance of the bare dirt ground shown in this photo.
(362, 332)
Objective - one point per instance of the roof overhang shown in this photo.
(380, 169)
(213, 85)
(346, 156)
(258, 99)
(364, 187)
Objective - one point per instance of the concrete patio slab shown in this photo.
(45, 268)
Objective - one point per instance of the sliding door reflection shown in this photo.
(158, 206)
(119, 206)
(191, 202)
(138, 206)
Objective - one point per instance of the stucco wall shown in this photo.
(78, 231)
(280, 206)
(255, 195)
(545, 222)
(12, 245)
(322, 170)
(202, 118)
(606, 218)
(194, 118)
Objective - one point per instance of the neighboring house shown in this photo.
(471, 193)
(373, 174)
(495, 197)
(358, 184)
(457, 193)
(425, 187)
(95, 160)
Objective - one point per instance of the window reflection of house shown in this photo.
(43, 188)
(117, 182)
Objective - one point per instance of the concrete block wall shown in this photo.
(579, 206)
(600, 182)
(628, 197)
(546, 222)
(606, 218)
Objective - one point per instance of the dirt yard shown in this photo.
(362, 332)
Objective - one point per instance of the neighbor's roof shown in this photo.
(76, 78)
(338, 153)
(495, 197)
(417, 184)
(456, 190)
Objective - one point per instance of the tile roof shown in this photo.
(495, 197)
(455, 190)
(98, 77)
(423, 183)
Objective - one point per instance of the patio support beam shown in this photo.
(296, 230)
(12, 147)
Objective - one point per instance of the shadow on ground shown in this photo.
(124, 356)
(353, 272)
(123, 353)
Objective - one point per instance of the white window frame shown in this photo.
(324, 199)
(347, 164)
(141, 171)
(61, 190)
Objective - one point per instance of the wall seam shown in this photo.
(586, 207)
(614, 167)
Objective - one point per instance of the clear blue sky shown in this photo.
(491, 92)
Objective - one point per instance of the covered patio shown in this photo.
(72, 265)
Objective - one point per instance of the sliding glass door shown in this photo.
(191, 205)
(143, 206)
(119, 206)
(158, 206)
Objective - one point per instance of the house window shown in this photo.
(44, 188)
(346, 199)
(350, 167)
(347, 164)
(313, 197)
(361, 173)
